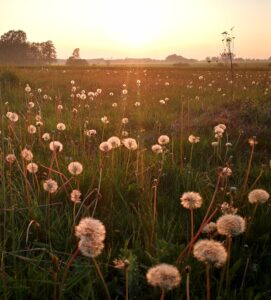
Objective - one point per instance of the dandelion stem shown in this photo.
(126, 284)
(101, 277)
(65, 272)
(208, 285)
(248, 169)
(162, 294)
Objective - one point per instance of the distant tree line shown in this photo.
(15, 49)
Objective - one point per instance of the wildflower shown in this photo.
(121, 264)
(27, 88)
(157, 149)
(163, 140)
(56, 146)
(91, 233)
(75, 168)
(90, 132)
(193, 139)
(32, 168)
(75, 196)
(226, 208)
(124, 121)
(258, 196)
(209, 228)
(105, 120)
(114, 141)
(228, 144)
(105, 147)
(60, 107)
(46, 137)
(50, 186)
(137, 104)
(61, 126)
(124, 133)
(31, 104)
(164, 275)
(114, 104)
(10, 158)
(231, 225)
(191, 200)
(130, 144)
(226, 172)
(27, 154)
(124, 92)
(13, 117)
(214, 144)
(32, 129)
(252, 141)
(162, 101)
(210, 252)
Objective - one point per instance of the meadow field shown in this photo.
(135, 183)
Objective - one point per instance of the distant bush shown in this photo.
(76, 62)
(9, 78)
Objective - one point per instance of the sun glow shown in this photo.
(135, 27)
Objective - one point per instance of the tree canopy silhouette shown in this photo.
(15, 49)
(75, 59)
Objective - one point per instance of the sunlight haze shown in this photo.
(142, 28)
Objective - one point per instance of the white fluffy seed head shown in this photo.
(210, 252)
(231, 225)
(191, 200)
(258, 196)
(164, 275)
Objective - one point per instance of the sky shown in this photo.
(142, 28)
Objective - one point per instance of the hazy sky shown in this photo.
(142, 28)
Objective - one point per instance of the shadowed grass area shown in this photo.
(128, 188)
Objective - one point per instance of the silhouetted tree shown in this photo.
(75, 59)
(48, 52)
(14, 49)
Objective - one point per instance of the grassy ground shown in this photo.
(131, 189)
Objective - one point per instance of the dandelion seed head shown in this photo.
(75, 168)
(10, 158)
(157, 148)
(231, 225)
(193, 139)
(164, 275)
(105, 146)
(75, 196)
(258, 196)
(210, 252)
(31, 129)
(50, 186)
(163, 140)
(61, 126)
(27, 154)
(130, 144)
(56, 146)
(114, 141)
(32, 168)
(191, 200)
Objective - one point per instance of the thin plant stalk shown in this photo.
(126, 284)
(65, 272)
(248, 168)
(208, 284)
(162, 294)
(101, 277)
